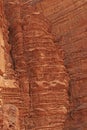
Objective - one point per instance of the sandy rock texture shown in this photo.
(69, 25)
(43, 64)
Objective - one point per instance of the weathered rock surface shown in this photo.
(40, 98)
(47, 74)
(33, 78)
(8, 80)
(69, 20)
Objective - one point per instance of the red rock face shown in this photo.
(34, 91)
(40, 99)
(69, 20)
(8, 83)
(47, 75)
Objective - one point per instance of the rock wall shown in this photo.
(8, 80)
(47, 75)
(69, 20)
(36, 95)
(33, 78)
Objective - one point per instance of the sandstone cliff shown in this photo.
(40, 101)
(43, 64)
(69, 25)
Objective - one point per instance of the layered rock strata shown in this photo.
(47, 75)
(8, 81)
(12, 102)
(36, 95)
(69, 20)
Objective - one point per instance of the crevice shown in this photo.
(13, 62)
(10, 52)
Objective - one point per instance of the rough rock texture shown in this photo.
(8, 80)
(33, 79)
(69, 20)
(47, 75)
(38, 98)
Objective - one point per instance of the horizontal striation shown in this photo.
(47, 74)
(69, 20)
